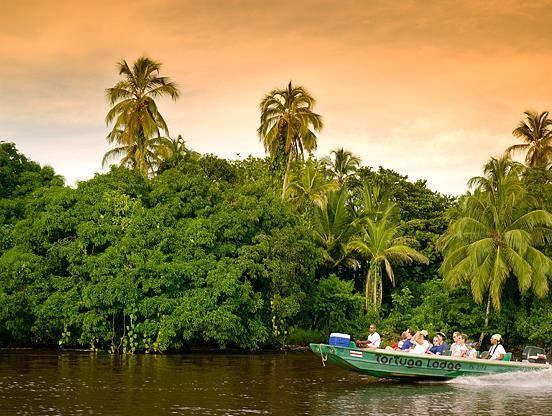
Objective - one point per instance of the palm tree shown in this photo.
(309, 185)
(380, 242)
(374, 203)
(288, 124)
(333, 228)
(536, 132)
(176, 150)
(137, 123)
(495, 235)
(143, 155)
(343, 164)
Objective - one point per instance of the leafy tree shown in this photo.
(375, 204)
(536, 132)
(496, 234)
(333, 228)
(430, 306)
(309, 186)
(137, 122)
(19, 178)
(289, 124)
(196, 255)
(381, 243)
(341, 163)
(173, 152)
(336, 306)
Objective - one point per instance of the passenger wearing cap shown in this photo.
(497, 351)
(420, 342)
(439, 344)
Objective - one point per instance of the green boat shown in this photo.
(406, 366)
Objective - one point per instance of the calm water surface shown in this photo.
(74, 383)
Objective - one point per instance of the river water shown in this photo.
(36, 382)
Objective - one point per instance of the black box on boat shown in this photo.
(533, 355)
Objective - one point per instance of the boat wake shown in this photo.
(529, 380)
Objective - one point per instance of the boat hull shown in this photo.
(407, 366)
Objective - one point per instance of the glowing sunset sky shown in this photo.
(429, 89)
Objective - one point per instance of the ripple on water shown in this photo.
(38, 383)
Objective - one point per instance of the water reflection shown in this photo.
(67, 383)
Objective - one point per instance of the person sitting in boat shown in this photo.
(455, 345)
(420, 343)
(439, 344)
(400, 343)
(407, 343)
(497, 351)
(461, 350)
(373, 341)
(397, 345)
(473, 350)
(443, 339)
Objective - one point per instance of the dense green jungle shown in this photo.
(207, 253)
(174, 250)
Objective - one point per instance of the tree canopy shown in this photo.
(175, 249)
(137, 122)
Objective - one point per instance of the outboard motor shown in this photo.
(533, 355)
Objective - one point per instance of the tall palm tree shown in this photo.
(342, 164)
(137, 123)
(495, 235)
(380, 242)
(536, 132)
(288, 124)
(333, 227)
(309, 186)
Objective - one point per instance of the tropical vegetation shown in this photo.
(496, 235)
(536, 133)
(137, 122)
(174, 249)
(289, 125)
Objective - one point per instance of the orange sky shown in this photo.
(430, 89)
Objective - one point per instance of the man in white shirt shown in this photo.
(373, 341)
(497, 351)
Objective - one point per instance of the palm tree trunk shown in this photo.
(380, 284)
(290, 158)
(286, 175)
(486, 324)
(367, 294)
(375, 286)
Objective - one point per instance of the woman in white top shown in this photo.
(455, 345)
(473, 350)
(421, 344)
(461, 349)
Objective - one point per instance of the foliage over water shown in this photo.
(207, 253)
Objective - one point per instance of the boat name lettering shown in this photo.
(411, 363)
